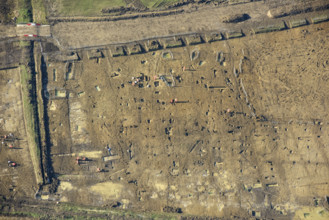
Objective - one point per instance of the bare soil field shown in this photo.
(218, 111)
(95, 32)
(246, 136)
(16, 181)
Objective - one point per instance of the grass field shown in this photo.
(94, 7)
(87, 7)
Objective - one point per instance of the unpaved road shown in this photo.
(103, 33)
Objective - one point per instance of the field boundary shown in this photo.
(30, 123)
(194, 38)
(54, 20)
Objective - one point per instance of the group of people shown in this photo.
(8, 138)
(11, 163)
(137, 80)
(174, 101)
(78, 160)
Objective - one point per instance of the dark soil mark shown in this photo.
(237, 18)
(49, 47)
(47, 163)
(6, 11)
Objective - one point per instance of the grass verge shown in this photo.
(24, 11)
(72, 211)
(23, 44)
(25, 214)
(129, 214)
(153, 4)
(94, 8)
(39, 12)
(30, 121)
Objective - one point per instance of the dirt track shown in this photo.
(103, 33)
(7, 31)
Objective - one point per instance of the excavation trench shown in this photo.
(47, 164)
